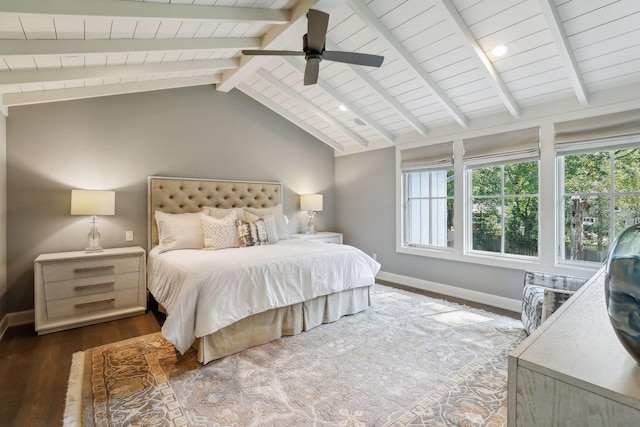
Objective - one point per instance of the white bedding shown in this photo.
(204, 291)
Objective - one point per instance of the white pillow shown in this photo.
(278, 214)
(221, 213)
(269, 225)
(179, 231)
(219, 233)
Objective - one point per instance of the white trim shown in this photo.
(16, 319)
(20, 318)
(4, 325)
(453, 291)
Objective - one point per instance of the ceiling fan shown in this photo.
(313, 49)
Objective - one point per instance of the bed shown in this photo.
(223, 294)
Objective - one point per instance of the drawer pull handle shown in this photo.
(92, 303)
(93, 269)
(96, 285)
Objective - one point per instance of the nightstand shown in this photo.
(75, 289)
(321, 236)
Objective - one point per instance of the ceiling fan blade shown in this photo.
(354, 58)
(318, 23)
(311, 71)
(272, 52)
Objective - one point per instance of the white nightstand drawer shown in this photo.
(75, 289)
(89, 268)
(90, 303)
(90, 285)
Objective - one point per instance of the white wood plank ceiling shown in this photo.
(438, 68)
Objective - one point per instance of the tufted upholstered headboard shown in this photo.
(183, 195)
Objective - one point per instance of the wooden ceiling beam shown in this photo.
(68, 94)
(304, 102)
(374, 24)
(382, 92)
(566, 53)
(47, 75)
(142, 10)
(452, 15)
(10, 48)
(247, 90)
(297, 65)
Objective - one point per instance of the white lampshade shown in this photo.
(311, 202)
(93, 202)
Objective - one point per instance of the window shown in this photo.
(428, 182)
(504, 209)
(599, 182)
(503, 194)
(601, 195)
(429, 208)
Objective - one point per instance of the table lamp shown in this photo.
(311, 203)
(93, 203)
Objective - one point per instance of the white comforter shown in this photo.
(204, 291)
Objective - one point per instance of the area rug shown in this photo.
(408, 360)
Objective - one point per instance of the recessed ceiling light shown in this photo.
(342, 107)
(500, 50)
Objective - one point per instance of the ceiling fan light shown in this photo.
(500, 50)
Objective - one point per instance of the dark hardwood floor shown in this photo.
(35, 369)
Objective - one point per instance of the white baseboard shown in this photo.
(16, 319)
(4, 325)
(453, 291)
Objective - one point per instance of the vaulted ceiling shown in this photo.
(438, 69)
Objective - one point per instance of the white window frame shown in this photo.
(611, 195)
(406, 212)
(469, 215)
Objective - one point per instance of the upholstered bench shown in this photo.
(543, 294)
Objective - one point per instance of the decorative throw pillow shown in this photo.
(278, 214)
(179, 231)
(269, 223)
(219, 233)
(252, 233)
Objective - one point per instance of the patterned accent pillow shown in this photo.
(252, 233)
(219, 233)
(269, 223)
(278, 213)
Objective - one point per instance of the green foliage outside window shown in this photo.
(505, 209)
(601, 199)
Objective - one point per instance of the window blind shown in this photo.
(608, 132)
(430, 157)
(502, 148)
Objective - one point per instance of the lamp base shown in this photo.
(93, 236)
(310, 224)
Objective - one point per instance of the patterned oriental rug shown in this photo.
(408, 360)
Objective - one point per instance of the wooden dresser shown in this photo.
(573, 371)
(75, 289)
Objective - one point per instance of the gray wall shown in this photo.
(365, 213)
(116, 142)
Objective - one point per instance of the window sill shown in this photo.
(514, 262)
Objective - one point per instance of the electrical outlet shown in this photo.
(375, 257)
(128, 236)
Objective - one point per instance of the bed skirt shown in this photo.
(270, 325)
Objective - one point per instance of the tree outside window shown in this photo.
(504, 211)
(601, 194)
